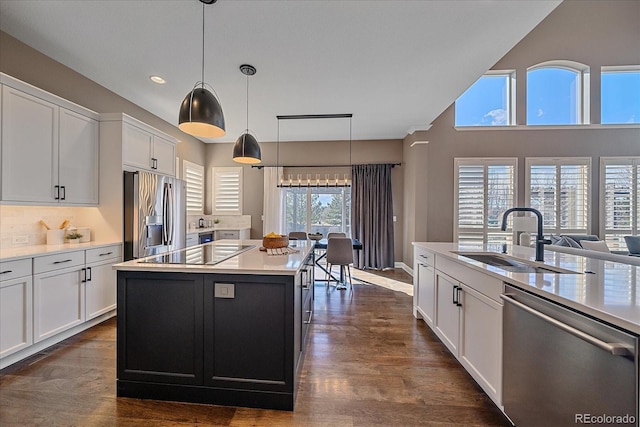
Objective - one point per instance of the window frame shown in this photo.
(485, 162)
(345, 225)
(189, 169)
(510, 96)
(583, 97)
(616, 69)
(609, 235)
(215, 185)
(558, 162)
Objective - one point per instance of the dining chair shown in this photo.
(340, 252)
(336, 234)
(298, 235)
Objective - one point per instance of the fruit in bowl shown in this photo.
(274, 240)
(315, 236)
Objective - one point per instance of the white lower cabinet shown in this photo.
(58, 301)
(467, 317)
(44, 296)
(447, 317)
(100, 284)
(16, 330)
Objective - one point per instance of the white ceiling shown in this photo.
(395, 65)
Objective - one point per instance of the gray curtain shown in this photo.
(372, 215)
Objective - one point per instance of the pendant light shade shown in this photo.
(200, 112)
(247, 149)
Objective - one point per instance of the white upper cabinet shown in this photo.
(78, 161)
(49, 148)
(148, 149)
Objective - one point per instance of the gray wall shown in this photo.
(594, 33)
(311, 153)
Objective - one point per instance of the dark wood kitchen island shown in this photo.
(199, 325)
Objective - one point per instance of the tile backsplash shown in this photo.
(22, 222)
(231, 221)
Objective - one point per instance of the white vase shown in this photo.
(74, 241)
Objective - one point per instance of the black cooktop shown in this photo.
(208, 254)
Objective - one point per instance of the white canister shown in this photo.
(55, 237)
(86, 234)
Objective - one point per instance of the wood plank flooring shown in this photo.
(368, 363)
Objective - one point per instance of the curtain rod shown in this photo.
(324, 166)
(315, 116)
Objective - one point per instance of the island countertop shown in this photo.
(610, 291)
(252, 261)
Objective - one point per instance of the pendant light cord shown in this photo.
(247, 103)
(203, 45)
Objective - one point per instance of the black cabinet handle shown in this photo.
(106, 253)
(64, 193)
(62, 262)
(84, 275)
(89, 270)
(154, 163)
(6, 271)
(458, 303)
(56, 188)
(453, 295)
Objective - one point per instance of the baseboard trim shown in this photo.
(405, 267)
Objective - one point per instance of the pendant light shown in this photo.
(246, 149)
(200, 112)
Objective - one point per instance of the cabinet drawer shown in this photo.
(227, 234)
(101, 254)
(58, 261)
(424, 257)
(14, 269)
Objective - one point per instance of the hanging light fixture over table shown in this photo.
(246, 148)
(201, 113)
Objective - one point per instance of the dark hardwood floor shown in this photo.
(369, 363)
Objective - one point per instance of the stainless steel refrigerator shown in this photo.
(154, 214)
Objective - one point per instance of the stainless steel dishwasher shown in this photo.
(562, 368)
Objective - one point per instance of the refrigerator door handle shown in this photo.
(165, 208)
(168, 216)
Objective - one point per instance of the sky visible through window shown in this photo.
(551, 99)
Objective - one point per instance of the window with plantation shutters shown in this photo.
(619, 207)
(227, 191)
(485, 188)
(560, 189)
(193, 175)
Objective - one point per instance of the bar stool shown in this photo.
(340, 252)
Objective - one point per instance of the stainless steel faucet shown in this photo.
(540, 240)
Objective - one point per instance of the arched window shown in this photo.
(558, 93)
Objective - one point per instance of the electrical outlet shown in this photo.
(395, 218)
(20, 239)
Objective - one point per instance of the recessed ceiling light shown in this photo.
(157, 79)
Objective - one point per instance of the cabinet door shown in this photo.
(164, 153)
(58, 301)
(227, 234)
(137, 147)
(29, 147)
(16, 330)
(100, 292)
(78, 166)
(426, 292)
(481, 340)
(447, 316)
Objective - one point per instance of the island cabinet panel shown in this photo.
(160, 328)
(228, 339)
(249, 337)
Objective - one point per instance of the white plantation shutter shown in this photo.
(619, 185)
(485, 188)
(227, 190)
(559, 188)
(193, 175)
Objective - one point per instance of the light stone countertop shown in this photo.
(253, 261)
(10, 254)
(611, 294)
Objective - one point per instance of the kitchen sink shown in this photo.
(516, 265)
